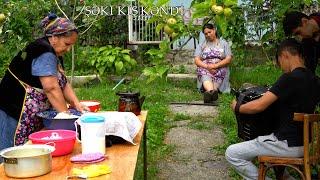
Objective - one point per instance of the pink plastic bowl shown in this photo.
(63, 140)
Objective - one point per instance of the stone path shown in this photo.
(193, 156)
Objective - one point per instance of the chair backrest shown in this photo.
(311, 139)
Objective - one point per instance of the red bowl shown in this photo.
(62, 140)
(93, 105)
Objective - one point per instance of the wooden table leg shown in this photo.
(145, 152)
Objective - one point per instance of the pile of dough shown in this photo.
(65, 115)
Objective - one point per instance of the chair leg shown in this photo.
(307, 172)
(262, 171)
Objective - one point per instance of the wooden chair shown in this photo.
(311, 151)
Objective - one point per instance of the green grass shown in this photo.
(264, 74)
(181, 117)
(160, 93)
(200, 125)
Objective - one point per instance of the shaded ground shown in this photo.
(193, 155)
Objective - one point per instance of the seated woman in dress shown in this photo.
(212, 58)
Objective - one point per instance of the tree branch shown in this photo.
(61, 9)
(79, 12)
(90, 25)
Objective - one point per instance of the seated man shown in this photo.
(297, 90)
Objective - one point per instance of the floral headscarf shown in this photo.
(54, 25)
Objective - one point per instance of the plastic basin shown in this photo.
(50, 122)
(62, 140)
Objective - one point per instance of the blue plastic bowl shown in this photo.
(50, 123)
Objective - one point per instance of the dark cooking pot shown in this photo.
(130, 102)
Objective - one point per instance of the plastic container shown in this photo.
(67, 124)
(62, 140)
(50, 123)
(92, 134)
(93, 105)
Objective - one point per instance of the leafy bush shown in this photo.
(109, 59)
(159, 69)
(20, 26)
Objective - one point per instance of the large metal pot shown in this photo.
(27, 161)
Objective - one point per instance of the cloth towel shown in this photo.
(88, 158)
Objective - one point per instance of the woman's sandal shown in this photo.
(207, 97)
(210, 96)
(214, 95)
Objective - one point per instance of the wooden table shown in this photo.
(122, 159)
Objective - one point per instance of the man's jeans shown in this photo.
(7, 130)
(240, 155)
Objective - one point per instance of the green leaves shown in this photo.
(230, 2)
(119, 66)
(108, 59)
(157, 58)
(201, 9)
(159, 27)
(155, 72)
(308, 2)
(222, 23)
(162, 2)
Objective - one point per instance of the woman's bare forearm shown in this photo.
(54, 93)
(200, 63)
(224, 62)
(70, 95)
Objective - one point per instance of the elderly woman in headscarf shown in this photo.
(34, 82)
(212, 58)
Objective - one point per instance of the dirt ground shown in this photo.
(193, 155)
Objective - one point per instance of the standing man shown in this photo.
(307, 29)
(296, 90)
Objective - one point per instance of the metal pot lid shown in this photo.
(27, 151)
(128, 94)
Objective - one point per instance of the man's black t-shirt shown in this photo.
(297, 91)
